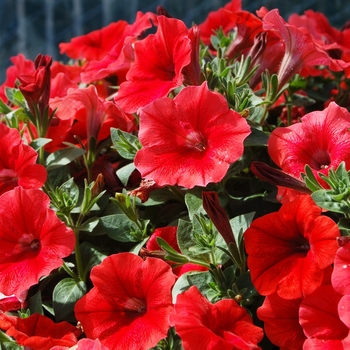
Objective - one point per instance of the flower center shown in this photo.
(29, 243)
(135, 307)
(320, 160)
(196, 140)
(35, 244)
(8, 176)
(302, 246)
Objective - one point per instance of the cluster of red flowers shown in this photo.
(178, 129)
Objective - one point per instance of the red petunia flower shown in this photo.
(319, 315)
(20, 66)
(84, 344)
(223, 325)
(321, 140)
(11, 303)
(158, 67)
(33, 240)
(219, 19)
(341, 272)
(169, 235)
(326, 37)
(300, 50)
(248, 26)
(129, 306)
(120, 57)
(96, 44)
(92, 116)
(36, 87)
(289, 250)
(18, 162)
(281, 322)
(39, 332)
(190, 140)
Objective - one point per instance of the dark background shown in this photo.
(38, 26)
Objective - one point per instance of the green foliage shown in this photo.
(125, 143)
(336, 198)
(66, 293)
(63, 157)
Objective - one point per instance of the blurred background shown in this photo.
(38, 26)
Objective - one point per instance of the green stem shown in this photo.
(77, 251)
(5, 339)
(78, 258)
(198, 262)
(175, 191)
(266, 110)
(70, 272)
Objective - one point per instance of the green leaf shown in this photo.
(136, 249)
(70, 191)
(92, 255)
(4, 109)
(39, 143)
(310, 179)
(14, 95)
(244, 282)
(126, 144)
(172, 254)
(192, 278)
(35, 304)
(194, 204)
(66, 293)
(344, 224)
(185, 236)
(125, 172)
(239, 225)
(89, 225)
(325, 200)
(257, 138)
(63, 157)
(8, 345)
(119, 228)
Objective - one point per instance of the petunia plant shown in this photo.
(175, 187)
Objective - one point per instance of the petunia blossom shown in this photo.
(83, 344)
(321, 316)
(158, 67)
(129, 305)
(118, 59)
(341, 272)
(39, 332)
(223, 325)
(96, 44)
(300, 50)
(18, 162)
(321, 140)
(219, 19)
(33, 240)
(190, 140)
(281, 321)
(36, 87)
(289, 250)
(21, 65)
(92, 116)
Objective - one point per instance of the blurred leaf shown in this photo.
(39, 143)
(63, 157)
(66, 293)
(256, 138)
(91, 255)
(126, 144)
(125, 172)
(119, 228)
(35, 304)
